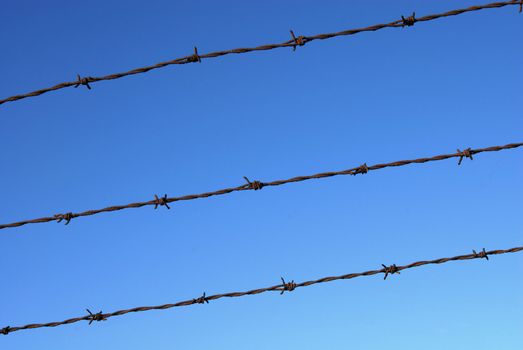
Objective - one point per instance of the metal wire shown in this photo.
(293, 42)
(284, 286)
(257, 185)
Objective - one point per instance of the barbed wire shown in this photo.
(258, 185)
(293, 42)
(283, 287)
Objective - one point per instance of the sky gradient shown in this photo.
(331, 105)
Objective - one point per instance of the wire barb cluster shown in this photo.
(201, 300)
(295, 41)
(390, 270)
(465, 154)
(255, 185)
(298, 41)
(67, 217)
(409, 21)
(285, 286)
(362, 169)
(195, 57)
(481, 255)
(84, 81)
(162, 201)
(258, 185)
(99, 316)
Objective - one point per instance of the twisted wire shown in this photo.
(257, 185)
(284, 286)
(293, 42)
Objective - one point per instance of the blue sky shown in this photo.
(374, 97)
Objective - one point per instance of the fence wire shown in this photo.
(282, 287)
(258, 185)
(293, 42)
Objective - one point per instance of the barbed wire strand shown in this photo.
(293, 42)
(283, 287)
(257, 185)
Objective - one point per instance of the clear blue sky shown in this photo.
(373, 97)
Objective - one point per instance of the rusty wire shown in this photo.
(283, 287)
(258, 185)
(293, 42)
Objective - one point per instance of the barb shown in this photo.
(290, 43)
(99, 316)
(289, 287)
(465, 154)
(282, 287)
(362, 169)
(201, 300)
(67, 217)
(195, 57)
(257, 185)
(409, 21)
(481, 255)
(161, 202)
(83, 81)
(298, 41)
(390, 270)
